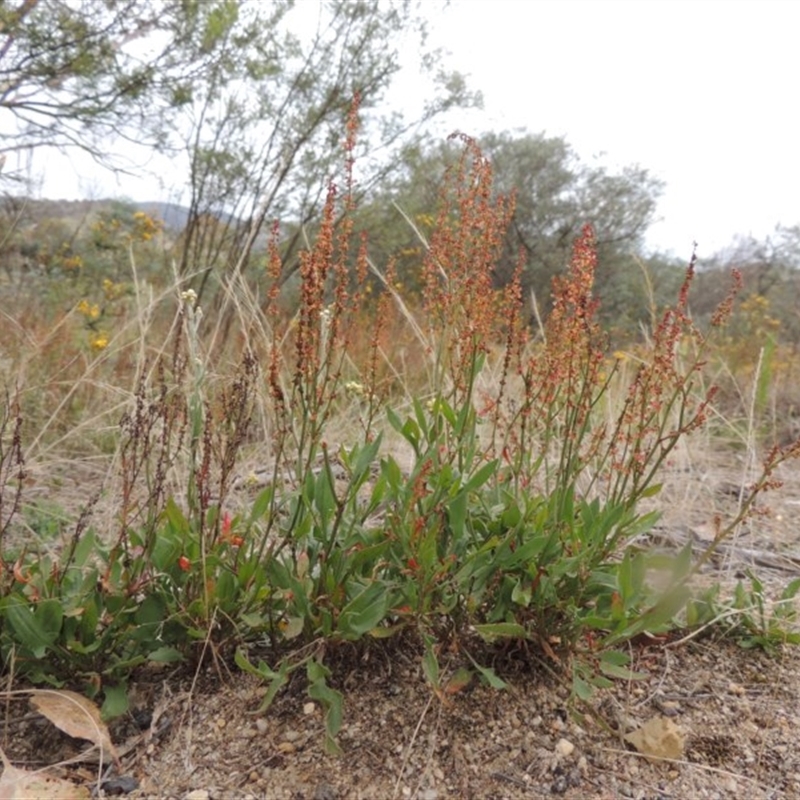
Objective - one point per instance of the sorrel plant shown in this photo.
(508, 516)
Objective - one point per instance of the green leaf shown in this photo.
(387, 631)
(165, 655)
(366, 457)
(489, 632)
(488, 675)
(615, 657)
(243, 662)
(630, 578)
(615, 664)
(331, 701)
(446, 410)
(115, 703)
(652, 490)
(659, 615)
(50, 615)
(253, 619)
(421, 424)
(28, 630)
(481, 476)
(642, 525)
(152, 611)
(693, 613)
(411, 433)
(226, 589)
(394, 420)
(600, 682)
(294, 627)
(790, 592)
(683, 562)
(511, 516)
(430, 665)
(166, 551)
(324, 498)
(74, 646)
(521, 594)
(364, 612)
(85, 549)
(409, 429)
(390, 469)
(277, 679)
(756, 586)
(581, 688)
(457, 514)
(262, 503)
(176, 518)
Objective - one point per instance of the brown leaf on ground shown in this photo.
(657, 739)
(23, 784)
(76, 716)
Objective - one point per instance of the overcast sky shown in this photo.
(703, 93)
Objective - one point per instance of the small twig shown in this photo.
(684, 763)
(407, 755)
(501, 776)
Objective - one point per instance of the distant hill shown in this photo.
(172, 215)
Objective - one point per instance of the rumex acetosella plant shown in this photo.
(508, 516)
(525, 483)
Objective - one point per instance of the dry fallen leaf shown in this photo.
(21, 784)
(658, 738)
(76, 716)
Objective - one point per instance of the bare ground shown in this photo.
(738, 710)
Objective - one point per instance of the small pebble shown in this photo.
(669, 708)
(309, 709)
(324, 792)
(564, 748)
(197, 794)
(262, 725)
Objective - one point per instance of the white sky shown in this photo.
(703, 93)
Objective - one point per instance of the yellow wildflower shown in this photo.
(90, 311)
(98, 341)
